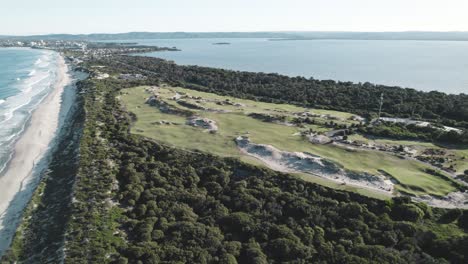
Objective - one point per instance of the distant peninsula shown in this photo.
(276, 35)
(222, 43)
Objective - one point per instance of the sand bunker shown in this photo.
(318, 139)
(191, 105)
(311, 164)
(204, 123)
(166, 108)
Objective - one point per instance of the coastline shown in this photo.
(30, 155)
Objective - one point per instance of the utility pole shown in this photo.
(381, 103)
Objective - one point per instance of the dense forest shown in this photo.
(361, 98)
(415, 132)
(139, 201)
(142, 202)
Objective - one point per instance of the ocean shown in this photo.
(26, 77)
(423, 65)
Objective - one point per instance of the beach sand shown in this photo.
(29, 150)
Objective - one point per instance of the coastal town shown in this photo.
(85, 49)
(43, 44)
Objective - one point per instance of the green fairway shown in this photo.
(459, 153)
(231, 116)
(408, 172)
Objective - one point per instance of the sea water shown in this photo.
(423, 65)
(26, 77)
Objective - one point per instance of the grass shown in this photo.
(395, 142)
(460, 153)
(462, 164)
(249, 105)
(409, 173)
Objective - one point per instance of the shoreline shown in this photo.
(25, 82)
(30, 152)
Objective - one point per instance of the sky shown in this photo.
(26, 17)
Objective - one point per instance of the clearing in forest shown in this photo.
(208, 122)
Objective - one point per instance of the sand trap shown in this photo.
(318, 139)
(311, 164)
(302, 162)
(29, 151)
(166, 108)
(204, 123)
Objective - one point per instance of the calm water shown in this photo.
(424, 65)
(26, 77)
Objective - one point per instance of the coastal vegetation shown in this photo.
(140, 201)
(234, 118)
(359, 98)
(40, 237)
(148, 188)
(415, 132)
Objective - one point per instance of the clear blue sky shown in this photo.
(21, 17)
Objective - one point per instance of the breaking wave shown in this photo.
(16, 110)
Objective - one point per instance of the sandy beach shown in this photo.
(29, 150)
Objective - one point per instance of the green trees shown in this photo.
(407, 212)
(139, 201)
(451, 216)
(361, 98)
(402, 131)
(252, 253)
(463, 220)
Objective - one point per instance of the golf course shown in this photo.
(162, 113)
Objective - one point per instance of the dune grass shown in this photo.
(409, 173)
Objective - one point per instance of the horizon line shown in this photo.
(236, 31)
